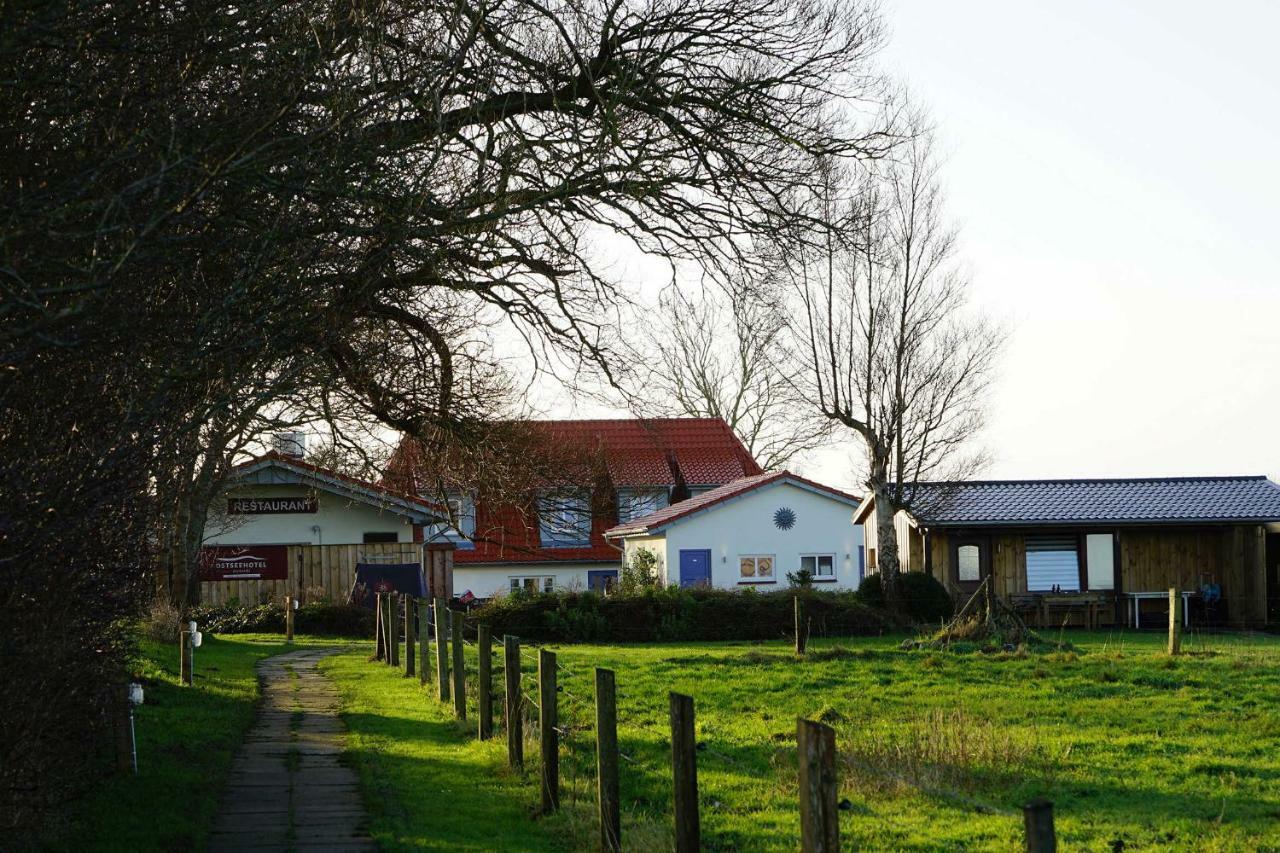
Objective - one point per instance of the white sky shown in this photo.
(1112, 169)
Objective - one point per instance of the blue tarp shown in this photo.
(387, 577)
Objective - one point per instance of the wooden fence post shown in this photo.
(514, 701)
(378, 637)
(1175, 621)
(424, 640)
(442, 649)
(549, 735)
(802, 637)
(288, 618)
(410, 651)
(819, 819)
(393, 629)
(607, 762)
(121, 710)
(184, 656)
(1037, 818)
(484, 696)
(684, 767)
(459, 666)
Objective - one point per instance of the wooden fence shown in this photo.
(817, 757)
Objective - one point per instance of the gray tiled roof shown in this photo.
(1143, 501)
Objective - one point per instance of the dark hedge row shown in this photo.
(322, 619)
(669, 615)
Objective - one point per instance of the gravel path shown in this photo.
(288, 790)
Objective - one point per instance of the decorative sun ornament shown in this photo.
(784, 518)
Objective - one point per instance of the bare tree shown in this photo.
(886, 341)
(724, 355)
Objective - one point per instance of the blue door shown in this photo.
(695, 568)
(599, 580)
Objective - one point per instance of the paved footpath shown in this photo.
(288, 791)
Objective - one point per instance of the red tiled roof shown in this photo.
(675, 512)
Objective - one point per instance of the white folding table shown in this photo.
(1135, 605)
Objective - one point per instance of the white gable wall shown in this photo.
(745, 525)
(341, 522)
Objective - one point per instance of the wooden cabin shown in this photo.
(1094, 552)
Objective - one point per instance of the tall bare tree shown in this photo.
(884, 335)
(723, 354)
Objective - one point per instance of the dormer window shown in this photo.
(637, 503)
(462, 511)
(564, 519)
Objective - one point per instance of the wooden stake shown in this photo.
(393, 629)
(801, 634)
(378, 635)
(459, 666)
(1175, 621)
(819, 819)
(424, 640)
(607, 762)
(184, 656)
(484, 696)
(514, 701)
(124, 734)
(1037, 818)
(288, 618)
(548, 720)
(410, 656)
(684, 767)
(442, 649)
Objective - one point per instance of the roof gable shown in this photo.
(1114, 501)
(277, 469)
(676, 513)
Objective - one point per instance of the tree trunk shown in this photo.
(886, 544)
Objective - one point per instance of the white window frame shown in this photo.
(542, 583)
(815, 557)
(463, 508)
(977, 562)
(556, 529)
(757, 578)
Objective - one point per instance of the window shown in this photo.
(637, 503)
(564, 519)
(871, 558)
(462, 508)
(969, 564)
(1101, 557)
(820, 566)
(533, 583)
(374, 536)
(1052, 561)
(755, 568)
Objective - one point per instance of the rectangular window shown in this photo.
(969, 563)
(819, 565)
(564, 519)
(1052, 561)
(871, 559)
(375, 536)
(533, 583)
(462, 509)
(1101, 551)
(637, 503)
(755, 568)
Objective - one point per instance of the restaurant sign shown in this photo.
(244, 563)
(269, 506)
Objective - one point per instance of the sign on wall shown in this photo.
(244, 563)
(270, 506)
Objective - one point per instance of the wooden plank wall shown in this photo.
(327, 573)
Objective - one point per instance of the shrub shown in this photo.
(162, 621)
(925, 599)
(674, 614)
(321, 618)
(639, 573)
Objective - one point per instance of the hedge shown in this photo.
(321, 619)
(673, 614)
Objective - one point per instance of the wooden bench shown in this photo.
(1040, 608)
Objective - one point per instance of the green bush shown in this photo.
(926, 600)
(323, 619)
(671, 614)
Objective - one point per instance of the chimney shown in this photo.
(291, 444)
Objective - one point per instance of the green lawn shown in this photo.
(186, 739)
(938, 750)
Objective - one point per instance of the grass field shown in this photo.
(186, 739)
(939, 750)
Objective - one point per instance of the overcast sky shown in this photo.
(1112, 167)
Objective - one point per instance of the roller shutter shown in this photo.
(1052, 561)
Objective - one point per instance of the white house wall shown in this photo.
(340, 522)
(490, 581)
(745, 525)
